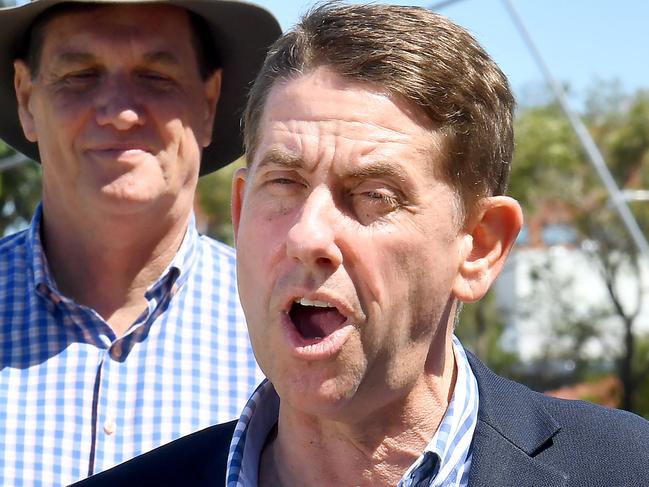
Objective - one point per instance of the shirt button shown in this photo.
(110, 426)
(116, 351)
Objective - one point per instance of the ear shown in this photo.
(238, 190)
(23, 87)
(491, 232)
(212, 87)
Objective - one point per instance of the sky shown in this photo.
(581, 41)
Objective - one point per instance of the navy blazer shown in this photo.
(522, 439)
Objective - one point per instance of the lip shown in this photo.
(319, 296)
(312, 349)
(118, 150)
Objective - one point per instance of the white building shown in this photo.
(544, 290)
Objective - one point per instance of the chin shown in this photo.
(331, 398)
(125, 202)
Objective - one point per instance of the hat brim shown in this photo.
(242, 33)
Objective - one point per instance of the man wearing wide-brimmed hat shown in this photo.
(120, 327)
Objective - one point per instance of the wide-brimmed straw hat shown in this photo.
(242, 32)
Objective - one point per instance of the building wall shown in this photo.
(544, 290)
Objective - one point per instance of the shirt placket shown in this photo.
(423, 473)
(118, 419)
(108, 424)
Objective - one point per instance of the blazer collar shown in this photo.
(513, 428)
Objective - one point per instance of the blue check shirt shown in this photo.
(75, 400)
(445, 461)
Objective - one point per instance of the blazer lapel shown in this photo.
(497, 462)
(513, 428)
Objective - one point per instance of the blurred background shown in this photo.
(570, 314)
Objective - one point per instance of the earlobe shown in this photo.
(238, 190)
(23, 86)
(485, 246)
(212, 94)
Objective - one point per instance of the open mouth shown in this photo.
(315, 320)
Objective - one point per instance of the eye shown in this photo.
(155, 79)
(81, 75)
(80, 79)
(153, 76)
(282, 181)
(284, 186)
(378, 197)
(374, 202)
(277, 191)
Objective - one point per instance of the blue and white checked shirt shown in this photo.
(76, 400)
(445, 462)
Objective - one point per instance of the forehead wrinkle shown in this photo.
(331, 127)
(113, 27)
(74, 56)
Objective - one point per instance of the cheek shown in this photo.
(247, 260)
(392, 263)
(413, 276)
(178, 118)
(258, 241)
(178, 135)
(54, 123)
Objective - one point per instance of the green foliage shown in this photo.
(20, 192)
(642, 365)
(628, 142)
(480, 328)
(551, 171)
(213, 195)
(548, 160)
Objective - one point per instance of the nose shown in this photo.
(312, 238)
(117, 104)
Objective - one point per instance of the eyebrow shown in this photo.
(161, 57)
(377, 169)
(75, 57)
(280, 158)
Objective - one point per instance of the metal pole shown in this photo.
(592, 151)
(442, 4)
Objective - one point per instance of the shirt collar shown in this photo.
(159, 292)
(177, 271)
(36, 254)
(258, 418)
(450, 443)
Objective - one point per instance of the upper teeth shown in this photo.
(309, 302)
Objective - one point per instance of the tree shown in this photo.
(480, 329)
(20, 190)
(565, 190)
(213, 198)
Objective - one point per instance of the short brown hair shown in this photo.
(420, 56)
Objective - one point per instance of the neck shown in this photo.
(108, 263)
(376, 451)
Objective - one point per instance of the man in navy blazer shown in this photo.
(379, 140)
(522, 438)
